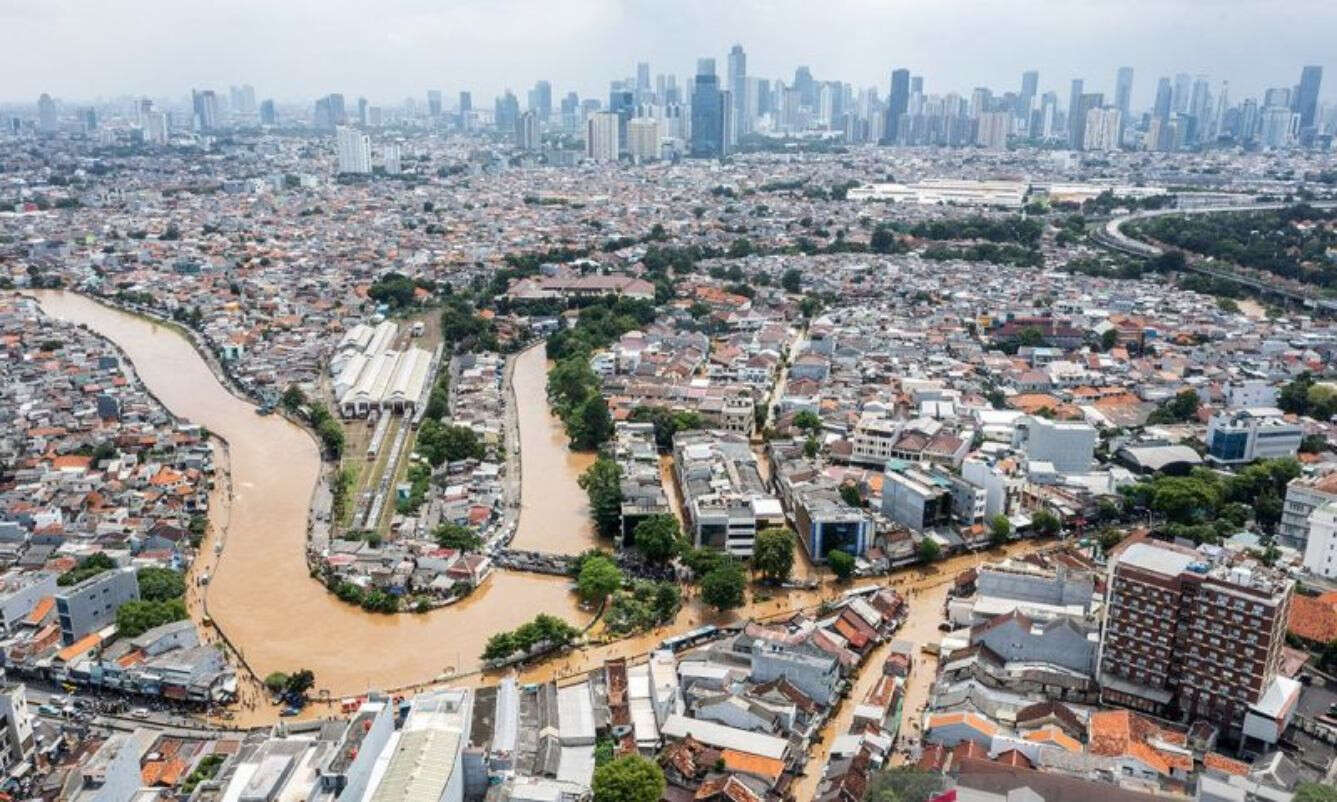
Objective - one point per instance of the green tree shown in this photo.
(1045, 522)
(1176, 410)
(1109, 339)
(791, 280)
(928, 550)
(276, 681)
(1031, 336)
(849, 493)
(631, 778)
(904, 784)
(90, 566)
(842, 564)
(602, 483)
(1315, 792)
(592, 425)
(722, 587)
(293, 398)
(451, 535)
(739, 248)
(160, 584)
(134, 618)
(599, 576)
(658, 538)
(773, 554)
(299, 683)
(1000, 529)
(806, 420)
(499, 646)
(703, 560)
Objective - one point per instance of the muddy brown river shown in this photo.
(261, 595)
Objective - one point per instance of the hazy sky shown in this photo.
(391, 49)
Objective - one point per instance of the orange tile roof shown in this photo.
(1313, 619)
(80, 647)
(1053, 735)
(72, 462)
(1116, 733)
(969, 719)
(756, 765)
(1221, 763)
(40, 610)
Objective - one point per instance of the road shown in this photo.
(1111, 236)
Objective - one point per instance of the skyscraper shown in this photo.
(466, 103)
(622, 102)
(46, 114)
(434, 103)
(738, 91)
(897, 103)
(1306, 99)
(267, 115)
(807, 91)
(1123, 89)
(1030, 84)
(505, 112)
(354, 149)
(527, 131)
(540, 100)
(643, 134)
(643, 82)
(707, 114)
(601, 132)
(1076, 114)
(1183, 85)
(1164, 99)
(206, 109)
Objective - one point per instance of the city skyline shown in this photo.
(583, 47)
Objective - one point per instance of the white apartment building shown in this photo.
(601, 136)
(643, 135)
(354, 149)
(1321, 547)
(1069, 447)
(1303, 496)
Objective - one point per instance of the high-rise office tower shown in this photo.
(707, 117)
(363, 117)
(466, 103)
(601, 132)
(505, 112)
(1188, 638)
(1048, 116)
(46, 114)
(1306, 99)
(540, 100)
(643, 82)
(1077, 127)
(1183, 85)
(1030, 84)
(527, 131)
(354, 149)
(807, 91)
(1123, 90)
(206, 110)
(570, 110)
(1164, 99)
(155, 127)
(267, 115)
(89, 119)
(622, 102)
(434, 103)
(1076, 114)
(897, 103)
(737, 82)
(375, 116)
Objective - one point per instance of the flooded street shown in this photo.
(554, 512)
(261, 595)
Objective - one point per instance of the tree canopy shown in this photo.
(631, 778)
(658, 538)
(602, 483)
(773, 553)
(723, 586)
(599, 576)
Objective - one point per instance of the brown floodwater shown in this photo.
(554, 512)
(261, 595)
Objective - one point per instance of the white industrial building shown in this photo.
(371, 374)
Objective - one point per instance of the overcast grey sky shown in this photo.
(391, 49)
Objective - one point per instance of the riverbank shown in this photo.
(260, 596)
